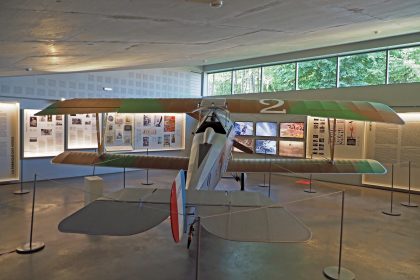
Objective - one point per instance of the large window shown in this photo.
(219, 83)
(320, 73)
(362, 69)
(404, 65)
(246, 80)
(278, 77)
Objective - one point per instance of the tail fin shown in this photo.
(177, 206)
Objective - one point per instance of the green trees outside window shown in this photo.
(219, 83)
(362, 69)
(246, 80)
(278, 77)
(320, 73)
(354, 70)
(404, 65)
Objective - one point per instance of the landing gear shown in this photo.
(190, 235)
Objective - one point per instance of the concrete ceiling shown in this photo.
(51, 36)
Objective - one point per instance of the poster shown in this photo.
(266, 129)
(81, 131)
(246, 141)
(159, 131)
(292, 130)
(352, 134)
(119, 132)
(9, 141)
(268, 147)
(43, 136)
(319, 136)
(291, 149)
(244, 128)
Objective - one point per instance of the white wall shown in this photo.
(36, 92)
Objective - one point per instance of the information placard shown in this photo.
(119, 132)
(9, 142)
(43, 136)
(81, 131)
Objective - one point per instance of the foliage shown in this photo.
(320, 73)
(404, 65)
(363, 69)
(246, 80)
(279, 77)
(219, 83)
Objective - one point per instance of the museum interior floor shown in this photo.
(376, 246)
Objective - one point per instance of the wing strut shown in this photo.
(331, 135)
(98, 136)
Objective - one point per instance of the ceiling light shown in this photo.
(107, 89)
(216, 3)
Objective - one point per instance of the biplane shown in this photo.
(240, 216)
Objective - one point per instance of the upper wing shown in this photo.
(350, 110)
(281, 165)
(121, 160)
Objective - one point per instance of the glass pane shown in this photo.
(246, 80)
(319, 73)
(219, 83)
(404, 65)
(362, 69)
(279, 77)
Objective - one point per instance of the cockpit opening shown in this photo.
(213, 121)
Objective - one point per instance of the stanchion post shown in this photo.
(409, 203)
(147, 173)
(263, 185)
(31, 247)
(391, 212)
(124, 178)
(242, 181)
(21, 190)
(339, 272)
(310, 190)
(197, 256)
(269, 181)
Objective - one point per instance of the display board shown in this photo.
(9, 142)
(398, 145)
(81, 131)
(268, 147)
(268, 129)
(291, 149)
(43, 136)
(244, 128)
(349, 137)
(292, 130)
(119, 132)
(159, 131)
(139, 132)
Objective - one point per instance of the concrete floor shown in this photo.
(376, 246)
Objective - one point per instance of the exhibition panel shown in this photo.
(9, 141)
(398, 146)
(43, 136)
(81, 131)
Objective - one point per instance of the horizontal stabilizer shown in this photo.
(282, 165)
(246, 216)
(121, 160)
(125, 214)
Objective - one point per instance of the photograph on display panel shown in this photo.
(119, 132)
(244, 128)
(43, 136)
(268, 129)
(9, 141)
(292, 149)
(268, 147)
(246, 141)
(292, 130)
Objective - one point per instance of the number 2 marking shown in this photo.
(269, 109)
